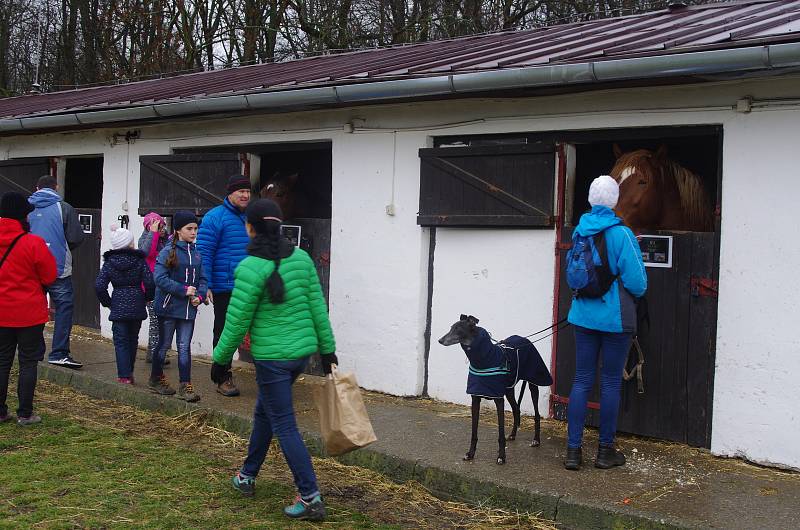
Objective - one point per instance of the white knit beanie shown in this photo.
(604, 191)
(120, 237)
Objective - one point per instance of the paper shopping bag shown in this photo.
(343, 419)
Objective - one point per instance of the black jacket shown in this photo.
(133, 284)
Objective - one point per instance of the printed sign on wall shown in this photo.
(656, 250)
(293, 233)
(86, 222)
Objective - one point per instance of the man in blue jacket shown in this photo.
(222, 241)
(55, 221)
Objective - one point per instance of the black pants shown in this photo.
(221, 301)
(30, 342)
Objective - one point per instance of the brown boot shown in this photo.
(227, 388)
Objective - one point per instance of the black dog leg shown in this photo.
(514, 410)
(536, 442)
(473, 442)
(501, 435)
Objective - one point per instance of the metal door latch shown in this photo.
(704, 287)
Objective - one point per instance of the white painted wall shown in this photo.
(379, 261)
(505, 279)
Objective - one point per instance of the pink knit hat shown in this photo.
(152, 216)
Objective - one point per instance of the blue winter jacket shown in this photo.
(56, 222)
(222, 240)
(127, 271)
(171, 300)
(616, 310)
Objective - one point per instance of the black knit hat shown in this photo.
(238, 182)
(263, 210)
(182, 218)
(14, 205)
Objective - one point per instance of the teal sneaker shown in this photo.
(313, 510)
(245, 485)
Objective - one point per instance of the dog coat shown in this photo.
(493, 368)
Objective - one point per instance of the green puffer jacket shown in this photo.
(296, 328)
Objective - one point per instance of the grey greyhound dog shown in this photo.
(494, 370)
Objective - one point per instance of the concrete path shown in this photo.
(664, 485)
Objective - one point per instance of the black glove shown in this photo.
(219, 373)
(327, 360)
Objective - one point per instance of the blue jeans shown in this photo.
(183, 330)
(274, 414)
(63, 300)
(612, 348)
(126, 341)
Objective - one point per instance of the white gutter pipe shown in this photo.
(772, 57)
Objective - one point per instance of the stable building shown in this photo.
(444, 178)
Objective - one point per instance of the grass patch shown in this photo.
(101, 464)
(62, 474)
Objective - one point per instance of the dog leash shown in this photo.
(540, 331)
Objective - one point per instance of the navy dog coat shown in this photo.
(494, 368)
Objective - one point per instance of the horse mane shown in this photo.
(694, 199)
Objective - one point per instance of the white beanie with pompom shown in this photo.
(120, 237)
(604, 191)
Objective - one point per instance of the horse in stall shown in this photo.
(657, 193)
(283, 190)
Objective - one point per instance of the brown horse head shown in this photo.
(281, 189)
(656, 193)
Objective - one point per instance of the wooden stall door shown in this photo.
(85, 267)
(678, 346)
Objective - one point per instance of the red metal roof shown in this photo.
(713, 26)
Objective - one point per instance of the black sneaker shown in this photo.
(244, 485)
(608, 457)
(66, 362)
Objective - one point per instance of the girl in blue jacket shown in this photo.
(180, 287)
(604, 326)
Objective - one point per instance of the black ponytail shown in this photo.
(275, 286)
(264, 216)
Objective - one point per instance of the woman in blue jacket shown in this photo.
(604, 326)
(180, 287)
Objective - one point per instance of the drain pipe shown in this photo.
(772, 57)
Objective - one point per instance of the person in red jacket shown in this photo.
(26, 267)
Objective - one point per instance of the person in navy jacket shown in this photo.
(126, 269)
(222, 240)
(28, 267)
(604, 326)
(180, 288)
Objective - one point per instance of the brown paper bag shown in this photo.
(343, 419)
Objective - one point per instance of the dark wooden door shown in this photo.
(505, 185)
(85, 266)
(678, 345)
(194, 182)
(20, 175)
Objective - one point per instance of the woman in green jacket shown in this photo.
(277, 298)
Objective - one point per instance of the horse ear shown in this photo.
(472, 319)
(661, 152)
(617, 151)
(462, 317)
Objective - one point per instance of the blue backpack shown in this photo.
(588, 274)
